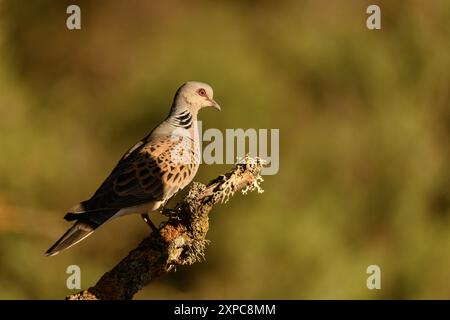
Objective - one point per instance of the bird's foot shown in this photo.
(149, 222)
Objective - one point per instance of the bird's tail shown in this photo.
(78, 232)
(82, 229)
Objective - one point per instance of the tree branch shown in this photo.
(181, 240)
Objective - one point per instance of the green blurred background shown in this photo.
(364, 119)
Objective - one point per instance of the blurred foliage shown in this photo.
(364, 120)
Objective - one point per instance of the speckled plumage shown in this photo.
(150, 173)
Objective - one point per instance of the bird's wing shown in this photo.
(150, 171)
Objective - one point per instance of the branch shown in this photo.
(181, 240)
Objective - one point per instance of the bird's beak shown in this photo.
(215, 105)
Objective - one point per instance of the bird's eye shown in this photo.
(202, 92)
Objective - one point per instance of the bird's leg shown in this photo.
(149, 222)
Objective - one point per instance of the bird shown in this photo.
(150, 173)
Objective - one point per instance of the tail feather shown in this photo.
(84, 227)
(78, 232)
(70, 216)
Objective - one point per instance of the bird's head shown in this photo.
(195, 95)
